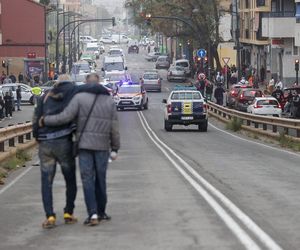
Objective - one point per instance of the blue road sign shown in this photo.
(201, 53)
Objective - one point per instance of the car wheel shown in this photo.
(202, 127)
(168, 126)
(146, 105)
(32, 100)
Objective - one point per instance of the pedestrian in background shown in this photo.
(219, 91)
(3, 76)
(21, 77)
(19, 97)
(2, 105)
(98, 137)
(13, 78)
(7, 80)
(8, 103)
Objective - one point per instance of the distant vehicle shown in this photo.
(185, 106)
(113, 65)
(117, 78)
(152, 56)
(106, 40)
(26, 93)
(265, 106)
(176, 73)
(133, 49)
(185, 64)
(87, 39)
(233, 93)
(131, 95)
(88, 56)
(80, 70)
(245, 97)
(102, 49)
(114, 51)
(152, 81)
(119, 38)
(93, 48)
(162, 62)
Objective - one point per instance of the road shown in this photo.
(169, 191)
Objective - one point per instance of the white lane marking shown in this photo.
(13, 182)
(254, 142)
(242, 236)
(245, 219)
(167, 89)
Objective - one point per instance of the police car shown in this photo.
(131, 95)
(185, 106)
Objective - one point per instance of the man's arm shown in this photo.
(37, 114)
(94, 88)
(115, 133)
(66, 116)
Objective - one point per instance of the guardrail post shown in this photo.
(274, 128)
(224, 115)
(248, 123)
(286, 131)
(21, 139)
(2, 146)
(265, 127)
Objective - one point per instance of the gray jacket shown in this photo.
(102, 129)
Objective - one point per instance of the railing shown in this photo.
(279, 14)
(270, 126)
(15, 137)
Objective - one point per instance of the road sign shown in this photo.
(226, 60)
(201, 53)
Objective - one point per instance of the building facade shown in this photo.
(22, 33)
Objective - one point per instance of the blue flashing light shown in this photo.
(179, 87)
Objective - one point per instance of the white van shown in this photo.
(184, 64)
(87, 39)
(113, 65)
(119, 39)
(93, 47)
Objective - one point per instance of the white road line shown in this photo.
(254, 142)
(241, 235)
(245, 219)
(15, 180)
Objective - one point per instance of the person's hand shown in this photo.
(113, 155)
(41, 122)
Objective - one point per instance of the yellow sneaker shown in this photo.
(49, 222)
(70, 218)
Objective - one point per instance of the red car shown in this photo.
(233, 93)
(245, 97)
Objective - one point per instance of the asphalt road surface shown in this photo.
(169, 191)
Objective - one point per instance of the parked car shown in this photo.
(185, 64)
(133, 49)
(265, 106)
(176, 73)
(233, 93)
(26, 93)
(105, 40)
(151, 81)
(162, 62)
(87, 39)
(152, 56)
(245, 97)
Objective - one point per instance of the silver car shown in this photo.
(176, 73)
(162, 62)
(152, 81)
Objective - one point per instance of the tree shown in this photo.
(45, 2)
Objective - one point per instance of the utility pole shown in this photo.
(237, 37)
(57, 30)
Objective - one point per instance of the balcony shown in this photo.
(278, 24)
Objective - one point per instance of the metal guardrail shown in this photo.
(15, 137)
(263, 124)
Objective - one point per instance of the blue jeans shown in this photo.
(52, 152)
(93, 166)
(19, 103)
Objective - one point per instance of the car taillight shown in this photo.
(242, 96)
(205, 107)
(279, 106)
(258, 106)
(169, 108)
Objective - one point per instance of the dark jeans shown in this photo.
(93, 166)
(220, 101)
(19, 103)
(8, 111)
(52, 152)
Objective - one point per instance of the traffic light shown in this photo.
(297, 64)
(3, 63)
(113, 21)
(148, 19)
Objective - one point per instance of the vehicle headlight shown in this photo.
(116, 98)
(136, 98)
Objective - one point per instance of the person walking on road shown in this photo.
(7, 80)
(56, 146)
(8, 103)
(98, 137)
(21, 77)
(2, 105)
(219, 95)
(19, 97)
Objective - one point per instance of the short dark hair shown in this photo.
(92, 75)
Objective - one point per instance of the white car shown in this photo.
(88, 39)
(185, 64)
(26, 93)
(265, 106)
(105, 40)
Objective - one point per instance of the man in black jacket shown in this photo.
(55, 145)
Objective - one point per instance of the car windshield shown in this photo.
(252, 93)
(150, 76)
(161, 59)
(80, 67)
(115, 52)
(186, 96)
(182, 64)
(114, 66)
(177, 69)
(117, 78)
(267, 102)
(129, 90)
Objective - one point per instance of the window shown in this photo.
(260, 3)
(295, 49)
(247, 4)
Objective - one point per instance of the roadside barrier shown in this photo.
(265, 125)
